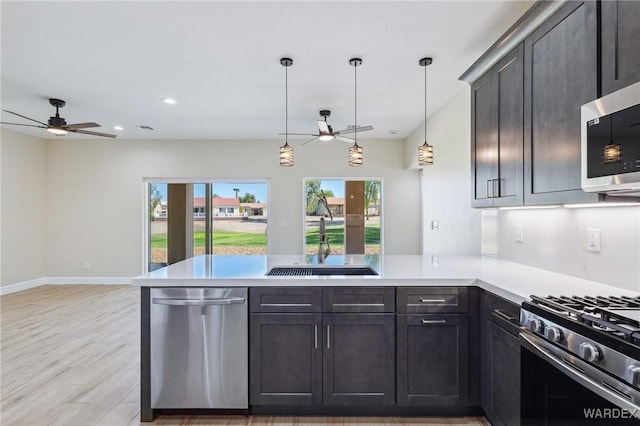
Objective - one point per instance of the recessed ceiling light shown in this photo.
(169, 101)
(393, 132)
(118, 127)
(144, 127)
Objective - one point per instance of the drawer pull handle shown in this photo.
(438, 321)
(423, 300)
(328, 337)
(503, 315)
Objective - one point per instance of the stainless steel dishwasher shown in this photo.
(199, 348)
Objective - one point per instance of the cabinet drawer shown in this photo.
(285, 299)
(502, 312)
(412, 300)
(358, 299)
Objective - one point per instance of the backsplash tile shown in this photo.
(556, 240)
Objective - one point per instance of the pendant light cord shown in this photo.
(355, 112)
(286, 105)
(425, 104)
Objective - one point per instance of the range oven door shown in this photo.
(561, 389)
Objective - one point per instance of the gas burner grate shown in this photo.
(596, 312)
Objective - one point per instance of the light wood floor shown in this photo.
(70, 355)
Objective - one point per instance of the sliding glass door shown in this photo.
(191, 219)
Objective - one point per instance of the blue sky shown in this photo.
(258, 189)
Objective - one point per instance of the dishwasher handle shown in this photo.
(198, 302)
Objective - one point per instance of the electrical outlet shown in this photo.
(593, 239)
(282, 222)
(435, 225)
(518, 233)
(87, 264)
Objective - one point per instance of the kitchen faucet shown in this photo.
(322, 254)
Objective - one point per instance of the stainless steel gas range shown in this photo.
(595, 342)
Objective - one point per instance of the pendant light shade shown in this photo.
(286, 151)
(425, 151)
(355, 151)
(355, 155)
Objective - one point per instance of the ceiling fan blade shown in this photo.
(27, 125)
(81, 125)
(343, 139)
(297, 134)
(87, 132)
(312, 140)
(25, 117)
(359, 129)
(323, 126)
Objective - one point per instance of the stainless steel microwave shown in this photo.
(611, 143)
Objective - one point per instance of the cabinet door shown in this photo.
(432, 353)
(508, 185)
(504, 372)
(359, 361)
(285, 358)
(497, 133)
(620, 24)
(560, 76)
(484, 139)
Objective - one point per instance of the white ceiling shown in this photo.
(113, 61)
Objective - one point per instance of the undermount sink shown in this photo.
(310, 270)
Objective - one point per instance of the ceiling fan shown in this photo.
(58, 125)
(326, 133)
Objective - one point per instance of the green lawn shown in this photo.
(239, 239)
(336, 235)
(219, 239)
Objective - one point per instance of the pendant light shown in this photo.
(613, 152)
(286, 151)
(425, 151)
(355, 151)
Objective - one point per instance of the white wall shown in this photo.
(445, 185)
(556, 239)
(23, 208)
(95, 193)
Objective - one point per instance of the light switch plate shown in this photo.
(593, 239)
(518, 233)
(435, 225)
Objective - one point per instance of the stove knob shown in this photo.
(633, 374)
(536, 325)
(554, 334)
(590, 352)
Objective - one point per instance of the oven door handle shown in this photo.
(609, 393)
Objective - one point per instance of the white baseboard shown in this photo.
(25, 285)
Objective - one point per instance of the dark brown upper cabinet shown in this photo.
(497, 134)
(560, 75)
(620, 44)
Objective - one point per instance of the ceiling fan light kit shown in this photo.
(286, 151)
(425, 151)
(58, 125)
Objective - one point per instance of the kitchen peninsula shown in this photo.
(377, 316)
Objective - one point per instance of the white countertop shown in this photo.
(510, 280)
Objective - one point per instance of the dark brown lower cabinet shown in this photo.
(432, 359)
(314, 359)
(285, 359)
(359, 359)
(500, 360)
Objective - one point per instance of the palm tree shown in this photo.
(236, 190)
(371, 194)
